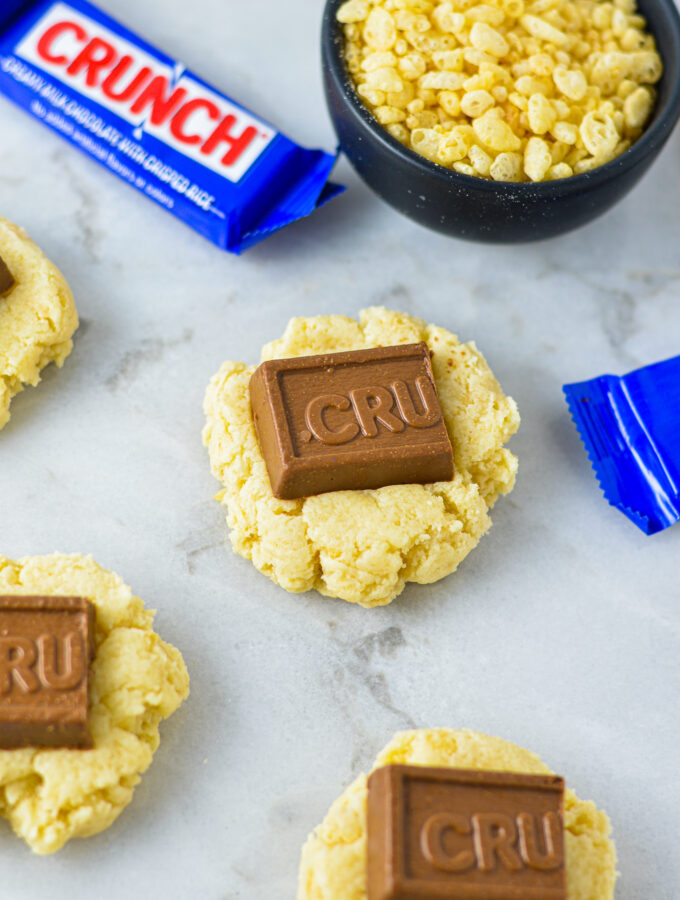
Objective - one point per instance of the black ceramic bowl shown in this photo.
(477, 208)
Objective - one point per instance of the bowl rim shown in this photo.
(653, 137)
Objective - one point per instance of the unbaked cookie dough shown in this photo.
(52, 795)
(333, 865)
(363, 546)
(37, 317)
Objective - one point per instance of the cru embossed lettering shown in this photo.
(369, 407)
(487, 840)
(51, 662)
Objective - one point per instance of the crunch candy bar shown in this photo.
(206, 159)
(630, 426)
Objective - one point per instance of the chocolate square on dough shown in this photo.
(352, 420)
(46, 646)
(464, 834)
(6, 278)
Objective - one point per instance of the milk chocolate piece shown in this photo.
(345, 421)
(463, 834)
(6, 278)
(46, 646)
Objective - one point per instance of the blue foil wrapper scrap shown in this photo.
(630, 426)
(202, 156)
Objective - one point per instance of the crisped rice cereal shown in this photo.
(505, 89)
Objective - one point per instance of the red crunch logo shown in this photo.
(104, 68)
(178, 110)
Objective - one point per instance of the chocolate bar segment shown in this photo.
(348, 421)
(6, 278)
(46, 646)
(464, 834)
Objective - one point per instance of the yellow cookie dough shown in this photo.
(333, 865)
(363, 546)
(51, 796)
(37, 318)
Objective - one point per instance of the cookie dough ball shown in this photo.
(333, 865)
(363, 546)
(37, 317)
(53, 795)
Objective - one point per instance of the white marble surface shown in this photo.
(561, 631)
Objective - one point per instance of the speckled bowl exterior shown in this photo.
(476, 208)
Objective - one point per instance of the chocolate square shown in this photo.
(353, 420)
(46, 646)
(6, 278)
(464, 834)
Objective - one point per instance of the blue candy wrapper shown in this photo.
(202, 156)
(630, 426)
